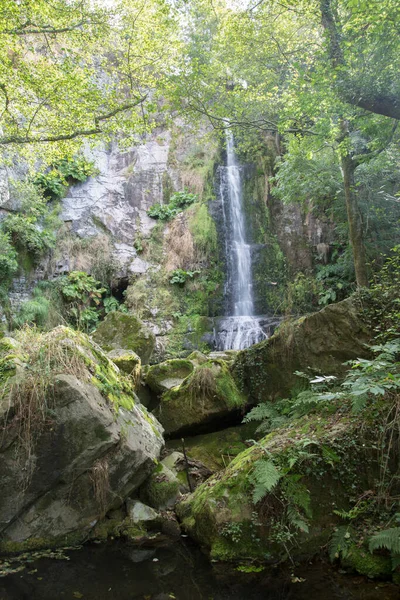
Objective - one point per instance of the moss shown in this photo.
(168, 372)
(161, 489)
(322, 342)
(224, 505)
(119, 330)
(74, 538)
(217, 450)
(209, 393)
(370, 565)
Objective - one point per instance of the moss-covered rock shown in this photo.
(75, 445)
(360, 560)
(128, 362)
(217, 449)
(127, 332)
(322, 461)
(162, 489)
(322, 341)
(209, 395)
(169, 374)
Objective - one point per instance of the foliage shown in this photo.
(8, 258)
(82, 294)
(180, 276)
(202, 227)
(178, 202)
(98, 69)
(110, 304)
(382, 301)
(265, 477)
(275, 414)
(26, 235)
(31, 230)
(388, 539)
(340, 542)
(54, 182)
(34, 311)
(371, 379)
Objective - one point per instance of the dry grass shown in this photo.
(193, 181)
(31, 392)
(100, 479)
(202, 385)
(179, 244)
(92, 255)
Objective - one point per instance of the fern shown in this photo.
(297, 493)
(264, 478)
(339, 543)
(296, 519)
(388, 539)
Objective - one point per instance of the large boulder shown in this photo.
(76, 442)
(127, 332)
(280, 500)
(169, 374)
(320, 342)
(209, 396)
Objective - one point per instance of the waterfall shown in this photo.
(240, 328)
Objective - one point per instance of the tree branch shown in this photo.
(37, 29)
(96, 130)
(387, 105)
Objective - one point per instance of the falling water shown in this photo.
(240, 328)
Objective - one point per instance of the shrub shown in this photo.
(178, 202)
(8, 258)
(81, 293)
(180, 276)
(54, 182)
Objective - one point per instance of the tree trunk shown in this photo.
(354, 219)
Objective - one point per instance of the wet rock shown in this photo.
(127, 361)
(169, 374)
(139, 512)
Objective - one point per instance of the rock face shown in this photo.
(321, 341)
(208, 396)
(123, 331)
(87, 452)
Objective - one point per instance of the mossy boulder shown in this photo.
(208, 396)
(162, 489)
(128, 362)
(127, 332)
(169, 374)
(322, 461)
(75, 445)
(360, 560)
(322, 342)
(217, 449)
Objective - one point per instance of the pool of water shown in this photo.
(117, 571)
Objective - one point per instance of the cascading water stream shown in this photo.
(240, 328)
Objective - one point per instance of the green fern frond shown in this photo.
(296, 520)
(388, 539)
(261, 412)
(265, 476)
(339, 543)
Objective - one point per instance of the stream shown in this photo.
(118, 571)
